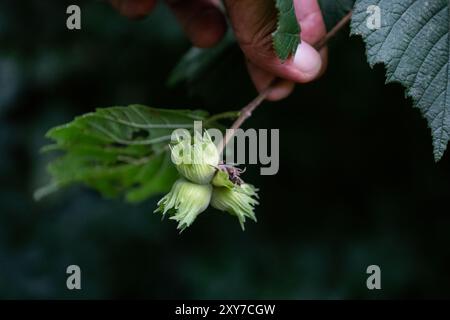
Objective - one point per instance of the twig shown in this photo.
(342, 23)
(224, 115)
(247, 111)
(244, 114)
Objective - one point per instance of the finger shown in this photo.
(202, 20)
(311, 21)
(324, 56)
(262, 79)
(254, 22)
(304, 67)
(312, 24)
(283, 88)
(134, 9)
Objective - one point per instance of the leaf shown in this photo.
(212, 73)
(198, 61)
(334, 10)
(117, 151)
(287, 36)
(413, 44)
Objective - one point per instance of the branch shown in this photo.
(224, 115)
(341, 24)
(247, 111)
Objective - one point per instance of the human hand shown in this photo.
(253, 23)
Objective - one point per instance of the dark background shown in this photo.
(357, 182)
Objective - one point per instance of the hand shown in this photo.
(253, 22)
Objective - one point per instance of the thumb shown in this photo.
(304, 67)
(254, 23)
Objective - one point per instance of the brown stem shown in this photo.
(247, 111)
(342, 23)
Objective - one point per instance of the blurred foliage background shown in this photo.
(357, 182)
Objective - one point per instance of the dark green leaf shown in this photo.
(287, 36)
(197, 61)
(413, 44)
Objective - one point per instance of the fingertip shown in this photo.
(134, 9)
(324, 56)
(281, 90)
(308, 62)
(207, 28)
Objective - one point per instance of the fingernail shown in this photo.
(281, 90)
(308, 60)
(206, 28)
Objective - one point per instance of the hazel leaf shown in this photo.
(413, 43)
(118, 151)
(286, 37)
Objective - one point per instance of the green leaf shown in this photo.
(287, 36)
(334, 10)
(212, 73)
(413, 44)
(119, 151)
(198, 61)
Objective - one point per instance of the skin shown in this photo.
(253, 22)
